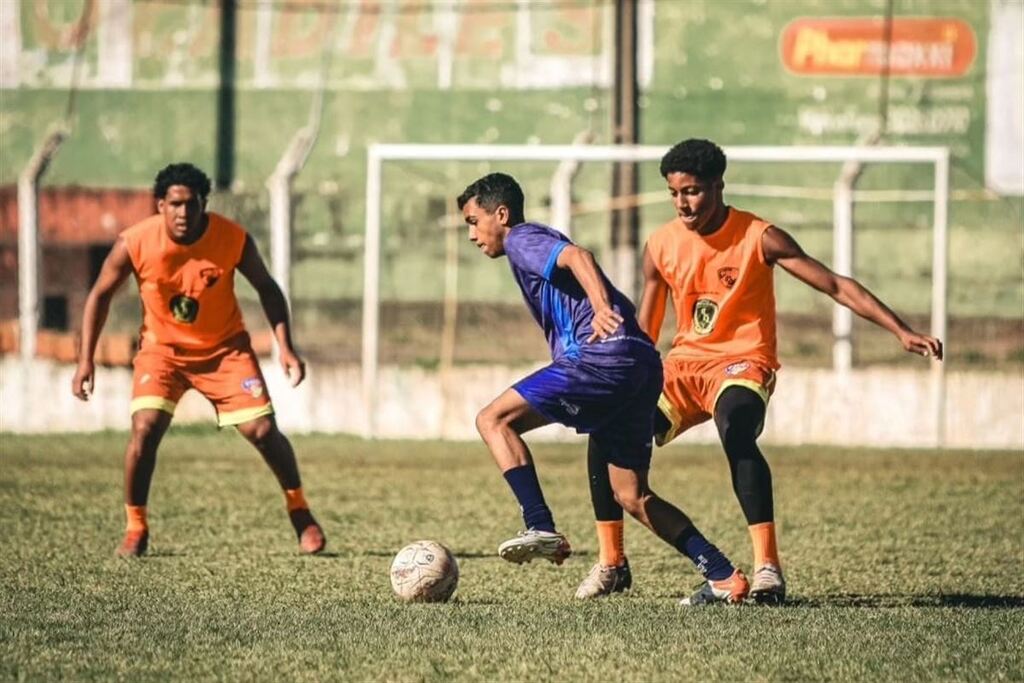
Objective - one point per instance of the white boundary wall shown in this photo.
(878, 407)
(377, 154)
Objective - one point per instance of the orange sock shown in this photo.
(295, 500)
(136, 515)
(765, 549)
(610, 543)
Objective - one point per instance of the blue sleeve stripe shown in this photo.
(549, 267)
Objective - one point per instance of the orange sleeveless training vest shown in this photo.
(722, 289)
(188, 291)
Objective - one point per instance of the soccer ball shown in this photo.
(424, 571)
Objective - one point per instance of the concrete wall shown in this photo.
(869, 407)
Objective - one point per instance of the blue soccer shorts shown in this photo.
(614, 404)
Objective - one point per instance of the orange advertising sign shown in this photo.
(855, 46)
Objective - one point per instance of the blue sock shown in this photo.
(709, 560)
(526, 488)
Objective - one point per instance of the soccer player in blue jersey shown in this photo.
(604, 380)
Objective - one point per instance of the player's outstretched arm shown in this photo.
(116, 268)
(274, 307)
(584, 268)
(653, 299)
(781, 248)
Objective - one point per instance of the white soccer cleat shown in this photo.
(532, 543)
(768, 586)
(604, 580)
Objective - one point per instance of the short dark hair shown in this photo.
(181, 174)
(493, 190)
(701, 158)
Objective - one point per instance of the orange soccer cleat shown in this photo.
(311, 536)
(731, 591)
(133, 544)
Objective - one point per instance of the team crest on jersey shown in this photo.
(184, 308)
(728, 276)
(737, 368)
(705, 314)
(254, 386)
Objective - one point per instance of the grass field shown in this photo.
(903, 565)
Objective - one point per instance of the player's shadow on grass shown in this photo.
(963, 600)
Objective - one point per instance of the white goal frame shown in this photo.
(938, 157)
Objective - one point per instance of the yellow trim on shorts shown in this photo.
(756, 387)
(674, 418)
(152, 403)
(237, 417)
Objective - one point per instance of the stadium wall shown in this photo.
(877, 407)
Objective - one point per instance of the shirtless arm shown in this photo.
(275, 307)
(781, 248)
(115, 270)
(653, 299)
(584, 268)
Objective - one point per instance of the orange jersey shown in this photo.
(188, 291)
(722, 289)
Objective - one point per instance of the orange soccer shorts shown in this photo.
(228, 376)
(692, 388)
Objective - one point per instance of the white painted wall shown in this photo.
(866, 407)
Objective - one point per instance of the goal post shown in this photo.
(938, 157)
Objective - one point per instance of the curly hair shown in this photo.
(493, 190)
(701, 158)
(181, 174)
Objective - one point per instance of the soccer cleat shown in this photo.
(532, 543)
(311, 536)
(604, 580)
(133, 544)
(768, 586)
(731, 591)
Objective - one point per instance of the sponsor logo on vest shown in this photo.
(254, 386)
(728, 276)
(705, 313)
(184, 308)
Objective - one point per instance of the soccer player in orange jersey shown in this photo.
(184, 260)
(717, 262)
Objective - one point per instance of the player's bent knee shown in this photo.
(489, 421)
(633, 502)
(483, 422)
(148, 423)
(259, 430)
(739, 417)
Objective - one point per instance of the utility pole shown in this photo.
(625, 131)
(225, 172)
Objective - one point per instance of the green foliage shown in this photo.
(902, 565)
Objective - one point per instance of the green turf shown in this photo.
(903, 565)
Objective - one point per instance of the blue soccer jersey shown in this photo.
(559, 304)
(607, 388)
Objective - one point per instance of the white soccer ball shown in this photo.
(424, 571)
